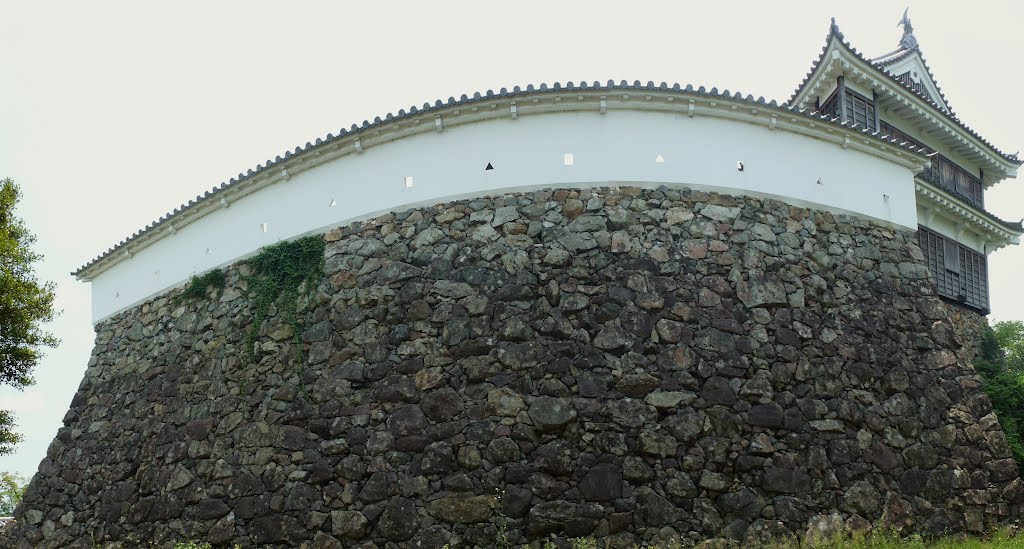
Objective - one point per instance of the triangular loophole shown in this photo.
(660, 159)
(489, 167)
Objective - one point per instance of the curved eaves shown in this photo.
(465, 99)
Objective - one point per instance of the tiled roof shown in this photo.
(898, 55)
(515, 92)
(1016, 226)
(894, 56)
(835, 33)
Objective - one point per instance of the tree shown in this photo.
(1010, 335)
(1001, 367)
(25, 304)
(12, 487)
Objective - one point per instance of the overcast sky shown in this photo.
(113, 113)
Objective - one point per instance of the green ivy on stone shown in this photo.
(199, 284)
(278, 274)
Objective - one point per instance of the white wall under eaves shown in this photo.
(619, 147)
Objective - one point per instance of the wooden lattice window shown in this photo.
(860, 110)
(960, 273)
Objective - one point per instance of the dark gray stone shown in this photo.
(654, 510)
(716, 390)
(786, 481)
(407, 420)
(556, 457)
(549, 517)
(399, 521)
(602, 482)
(209, 509)
(442, 404)
(766, 415)
(551, 414)
(515, 502)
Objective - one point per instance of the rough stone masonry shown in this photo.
(638, 365)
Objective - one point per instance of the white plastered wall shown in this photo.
(619, 147)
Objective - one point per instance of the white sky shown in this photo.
(113, 113)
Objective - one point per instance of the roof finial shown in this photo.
(908, 42)
(834, 29)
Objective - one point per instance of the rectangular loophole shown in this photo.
(264, 226)
(408, 182)
(568, 159)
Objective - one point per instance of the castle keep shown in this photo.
(638, 312)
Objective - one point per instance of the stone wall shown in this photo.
(969, 327)
(633, 364)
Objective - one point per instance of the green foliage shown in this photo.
(8, 436)
(1001, 367)
(278, 275)
(501, 537)
(199, 284)
(877, 539)
(1010, 335)
(25, 304)
(12, 487)
(888, 539)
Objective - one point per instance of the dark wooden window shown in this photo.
(951, 256)
(860, 110)
(960, 273)
(831, 105)
(944, 173)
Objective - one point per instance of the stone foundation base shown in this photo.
(636, 365)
